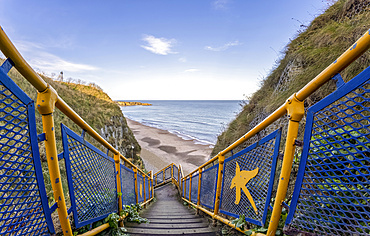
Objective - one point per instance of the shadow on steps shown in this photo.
(168, 216)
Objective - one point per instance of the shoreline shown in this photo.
(160, 148)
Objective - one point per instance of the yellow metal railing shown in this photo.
(294, 108)
(47, 100)
(170, 173)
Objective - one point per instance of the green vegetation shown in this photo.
(97, 109)
(132, 212)
(242, 224)
(315, 47)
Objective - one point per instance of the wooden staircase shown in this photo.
(168, 216)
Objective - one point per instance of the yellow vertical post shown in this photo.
(152, 185)
(221, 160)
(172, 173)
(190, 178)
(46, 104)
(118, 178)
(136, 187)
(199, 186)
(164, 174)
(295, 110)
(178, 176)
(144, 190)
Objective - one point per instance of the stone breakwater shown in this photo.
(133, 104)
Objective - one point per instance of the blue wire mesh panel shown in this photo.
(183, 188)
(194, 188)
(147, 194)
(140, 187)
(24, 206)
(248, 180)
(332, 192)
(187, 188)
(91, 179)
(208, 186)
(160, 177)
(150, 188)
(127, 186)
(167, 173)
(176, 173)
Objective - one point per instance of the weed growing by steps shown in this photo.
(242, 224)
(132, 212)
(113, 220)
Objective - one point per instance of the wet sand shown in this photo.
(161, 148)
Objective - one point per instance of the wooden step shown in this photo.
(145, 231)
(177, 221)
(168, 216)
(152, 225)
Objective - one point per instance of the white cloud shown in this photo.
(220, 4)
(44, 61)
(160, 46)
(183, 59)
(191, 70)
(224, 47)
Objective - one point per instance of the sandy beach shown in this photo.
(160, 148)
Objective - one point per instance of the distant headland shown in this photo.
(121, 103)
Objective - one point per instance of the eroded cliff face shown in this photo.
(117, 132)
(315, 47)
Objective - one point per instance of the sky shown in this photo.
(158, 49)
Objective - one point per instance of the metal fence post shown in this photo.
(190, 180)
(295, 110)
(178, 176)
(144, 192)
(136, 189)
(118, 178)
(46, 104)
(221, 160)
(199, 186)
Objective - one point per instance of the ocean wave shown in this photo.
(200, 121)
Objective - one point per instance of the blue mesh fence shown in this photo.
(150, 189)
(183, 188)
(194, 188)
(91, 179)
(167, 173)
(24, 206)
(208, 186)
(332, 191)
(176, 173)
(147, 194)
(159, 177)
(187, 186)
(140, 187)
(127, 186)
(248, 180)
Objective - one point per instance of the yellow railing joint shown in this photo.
(295, 108)
(46, 100)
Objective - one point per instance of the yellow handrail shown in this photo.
(294, 107)
(10, 51)
(47, 99)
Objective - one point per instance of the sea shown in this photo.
(200, 120)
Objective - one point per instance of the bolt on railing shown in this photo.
(47, 100)
(294, 108)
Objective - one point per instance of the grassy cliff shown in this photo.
(96, 108)
(315, 47)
